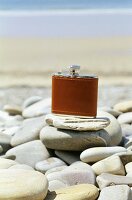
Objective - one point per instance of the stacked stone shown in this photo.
(44, 156)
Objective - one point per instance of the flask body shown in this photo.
(74, 95)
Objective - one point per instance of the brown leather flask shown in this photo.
(74, 94)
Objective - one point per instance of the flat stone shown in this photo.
(72, 140)
(110, 110)
(29, 153)
(6, 163)
(5, 141)
(29, 131)
(114, 129)
(68, 156)
(105, 180)
(98, 153)
(56, 169)
(16, 120)
(21, 166)
(31, 100)
(128, 167)
(106, 166)
(126, 130)
(116, 192)
(13, 109)
(38, 109)
(22, 184)
(77, 123)
(125, 118)
(76, 192)
(125, 106)
(49, 163)
(76, 173)
(125, 157)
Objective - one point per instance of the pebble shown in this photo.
(125, 106)
(38, 109)
(29, 131)
(116, 192)
(49, 163)
(56, 184)
(105, 180)
(126, 130)
(106, 166)
(72, 140)
(6, 163)
(128, 167)
(76, 173)
(18, 184)
(114, 129)
(56, 169)
(68, 156)
(11, 130)
(16, 120)
(31, 100)
(21, 166)
(125, 118)
(129, 174)
(111, 111)
(29, 153)
(76, 192)
(5, 142)
(98, 153)
(76, 123)
(125, 157)
(128, 142)
(13, 109)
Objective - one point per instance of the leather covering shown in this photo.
(74, 95)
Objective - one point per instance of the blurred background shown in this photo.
(39, 37)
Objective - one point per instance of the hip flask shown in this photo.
(74, 94)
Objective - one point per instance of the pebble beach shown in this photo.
(44, 157)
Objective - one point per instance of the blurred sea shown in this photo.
(65, 18)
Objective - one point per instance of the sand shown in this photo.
(31, 61)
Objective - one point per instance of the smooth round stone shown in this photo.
(77, 123)
(98, 153)
(114, 129)
(21, 166)
(31, 100)
(116, 192)
(106, 179)
(13, 109)
(29, 153)
(125, 118)
(6, 163)
(16, 120)
(68, 156)
(129, 174)
(37, 109)
(111, 165)
(22, 184)
(5, 141)
(56, 169)
(49, 163)
(125, 106)
(72, 140)
(11, 130)
(126, 130)
(110, 110)
(76, 192)
(55, 185)
(29, 131)
(76, 173)
(128, 167)
(128, 143)
(1, 149)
